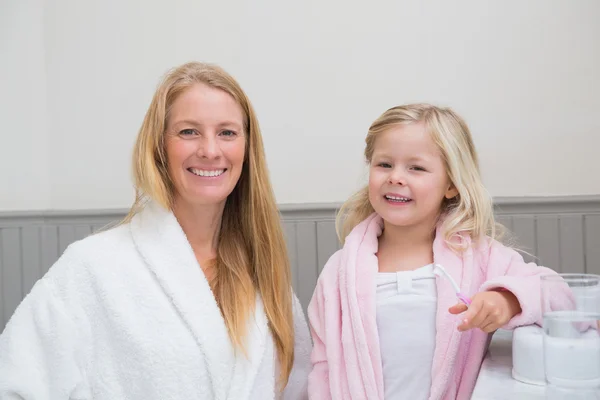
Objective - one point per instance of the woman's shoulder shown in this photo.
(71, 280)
(100, 244)
(91, 255)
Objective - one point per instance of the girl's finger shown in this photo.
(473, 320)
(473, 310)
(458, 308)
(489, 327)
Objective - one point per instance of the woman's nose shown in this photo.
(209, 147)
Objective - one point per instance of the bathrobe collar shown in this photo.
(162, 244)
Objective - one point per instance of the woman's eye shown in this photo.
(228, 133)
(187, 132)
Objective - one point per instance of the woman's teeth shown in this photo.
(202, 172)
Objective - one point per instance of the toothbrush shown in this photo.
(440, 271)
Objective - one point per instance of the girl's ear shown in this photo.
(451, 192)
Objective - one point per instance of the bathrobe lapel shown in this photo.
(460, 267)
(360, 341)
(164, 247)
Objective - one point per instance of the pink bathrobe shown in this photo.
(346, 356)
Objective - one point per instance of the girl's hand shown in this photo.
(488, 311)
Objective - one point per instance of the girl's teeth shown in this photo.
(201, 172)
(400, 199)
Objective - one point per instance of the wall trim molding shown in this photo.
(315, 211)
(548, 205)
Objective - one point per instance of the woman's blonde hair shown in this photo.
(251, 254)
(471, 211)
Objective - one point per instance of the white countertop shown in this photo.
(495, 379)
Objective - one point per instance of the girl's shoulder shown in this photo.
(331, 269)
(492, 253)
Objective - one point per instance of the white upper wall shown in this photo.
(24, 158)
(77, 78)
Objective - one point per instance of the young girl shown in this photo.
(386, 323)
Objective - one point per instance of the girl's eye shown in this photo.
(384, 165)
(417, 168)
(187, 132)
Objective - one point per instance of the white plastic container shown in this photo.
(528, 355)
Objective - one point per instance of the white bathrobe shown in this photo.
(128, 314)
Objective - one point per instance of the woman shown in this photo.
(190, 297)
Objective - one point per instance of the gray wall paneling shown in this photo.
(560, 233)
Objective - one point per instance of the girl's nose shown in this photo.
(397, 178)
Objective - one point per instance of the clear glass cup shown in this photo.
(571, 311)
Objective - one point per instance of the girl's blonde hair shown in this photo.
(251, 254)
(471, 211)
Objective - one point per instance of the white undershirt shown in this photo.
(406, 308)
